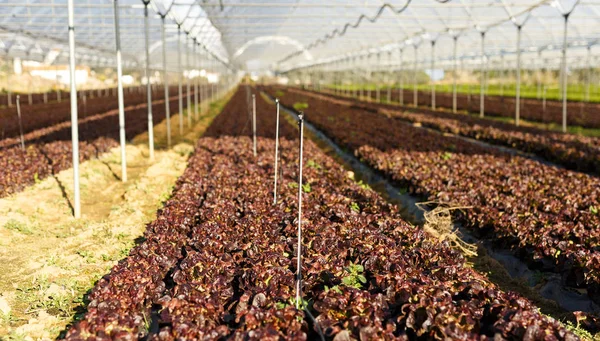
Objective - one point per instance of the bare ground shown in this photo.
(49, 260)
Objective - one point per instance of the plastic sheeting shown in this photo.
(283, 34)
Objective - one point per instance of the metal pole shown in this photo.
(166, 82)
(213, 87)
(57, 88)
(333, 78)
(378, 94)
(389, 89)
(362, 90)
(254, 124)
(202, 94)
(369, 73)
(502, 74)
(518, 89)
(276, 152)
(401, 85)
(120, 94)
(209, 91)
(483, 71)
(415, 93)
(589, 74)
(564, 75)
(74, 125)
(188, 86)
(455, 76)
(539, 76)
(148, 85)
(299, 245)
(179, 73)
(20, 121)
(432, 80)
(356, 77)
(544, 103)
(196, 81)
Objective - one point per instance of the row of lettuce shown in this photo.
(49, 150)
(219, 260)
(573, 152)
(549, 215)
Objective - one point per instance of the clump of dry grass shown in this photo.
(438, 223)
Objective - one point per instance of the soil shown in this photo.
(49, 260)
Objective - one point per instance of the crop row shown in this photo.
(544, 211)
(48, 153)
(54, 95)
(219, 262)
(42, 115)
(571, 151)
(579, 113)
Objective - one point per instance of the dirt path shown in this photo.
(49, 260)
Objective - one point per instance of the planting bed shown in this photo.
(548, 215)
(39, 116)
(218, 262)
(570, 151)
(49, 150)
(579, 113)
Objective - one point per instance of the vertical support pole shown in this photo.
(368, 77)
(377, 82)
(455, 75)
(74, 125)
(333, 86)
(9, 98)
(57, 88)
(148, 84)
(188, 80)
(196, 81)
(209, 89)
(544, 103)
(391, 72)
(166, 81)
(483, 71)
(501, 74)
(348, 77)
(356, 77)
(45, 97)
(588, 79)
(179, 75)
(415, 93)
(20, 122)
(254, 124)
(202, 87)
(299, 244)
(518, 89)
(564, 75)
(348, 74)
(120, 93)
(276, 152)
(432, 69)
(213, 88)
(539, 76)
(362, 88)
(401, 77)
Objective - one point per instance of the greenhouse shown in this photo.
(300, 170)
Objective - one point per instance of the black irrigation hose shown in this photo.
(316, 324)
